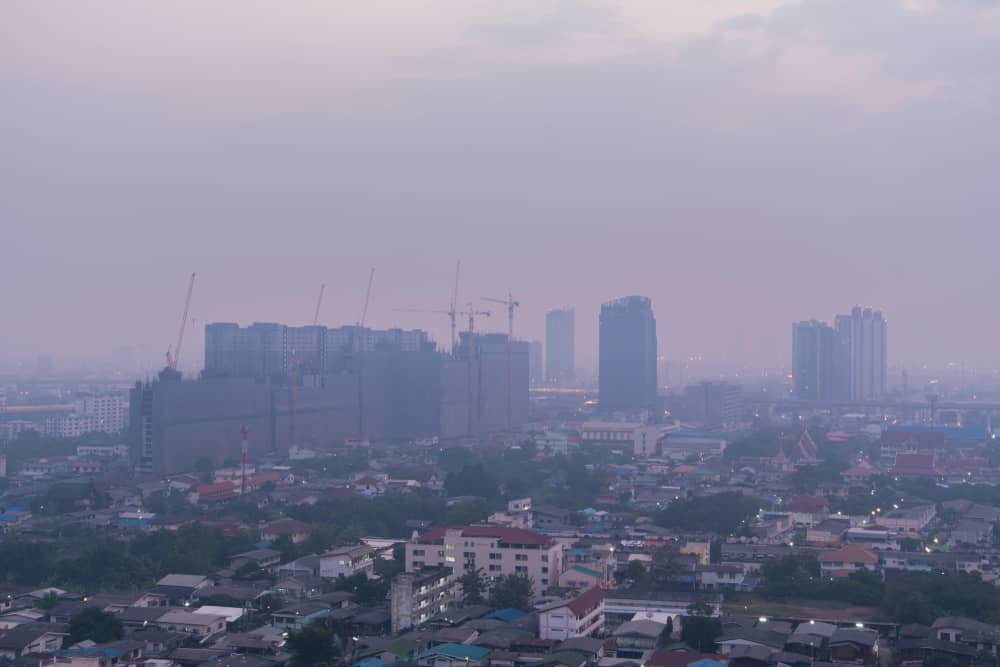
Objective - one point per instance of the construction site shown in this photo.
(270, 390)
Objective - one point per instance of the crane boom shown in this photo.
(173, 359)
(368, 296)
(319, 302)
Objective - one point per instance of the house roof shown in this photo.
(582, 603)
(679, 658)
(850, 553)
(457, 651)
(642, 628)
(862, 637)
(285, 527)
(808, 504)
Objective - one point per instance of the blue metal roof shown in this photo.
(507, 615)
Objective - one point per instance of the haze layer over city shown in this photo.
(745, 164)
(499, 333)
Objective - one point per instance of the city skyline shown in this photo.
(604, 135)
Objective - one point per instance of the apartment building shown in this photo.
(583, 616)
(417, 596)
(347, 562)
(497, 550)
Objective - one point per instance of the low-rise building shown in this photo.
(497, 550)
(347, 562)
(583, 616)
(847, 559)
(189, 622)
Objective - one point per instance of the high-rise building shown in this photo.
(862, 354)
(627, 364)
(814, 346)
(560, 352)
(713, 404)
(537, 370)
(265, 350)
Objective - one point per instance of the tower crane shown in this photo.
(511, 305)
(173, 358)
(359, 331)
(452, 311)
(472, 314)
(319, 302)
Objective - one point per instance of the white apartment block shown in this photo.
(347, 562)
(109, 411)
(583, 616)
(496, 550)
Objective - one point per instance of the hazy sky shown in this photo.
(745, 163)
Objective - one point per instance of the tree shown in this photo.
(699, 628)
(668, 632)
(635, 571)
(513, 591)
(722, 513)
(471, 480)
(96, 625)
(312, 646)
(473, 586)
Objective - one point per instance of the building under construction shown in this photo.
(313, 387)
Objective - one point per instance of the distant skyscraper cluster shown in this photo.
(559, 347)
(627, 363)
(847, 361)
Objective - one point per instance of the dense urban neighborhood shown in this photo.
(797, 539)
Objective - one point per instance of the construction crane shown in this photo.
(173, 358)
(511, 305)
(472, 314)
(452, 311)
(358, 348)
(364, 312)
(319, 302)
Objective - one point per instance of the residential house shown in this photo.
(581, 577)
(296, 531)
(856, 645)
(983, 637)
(582, 616)
(637, 638)
(189, 622)
(910, 520)
(264, 559)
(453, 655)
(298, 616)
(31, 638)
(847, 559)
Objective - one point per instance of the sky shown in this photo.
(744, 163)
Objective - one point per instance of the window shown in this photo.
(494, 568)
(418, 552)
(520, 569)
(545, 570)
(521, 557)
(495, 556)
(545, 558)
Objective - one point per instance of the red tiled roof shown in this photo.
(583, 603)
(862, 471)
(914, 464)
(808, 504)
(221, 487)
(508, 535)
(285, 527)
(265, 477)
(851, 553)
